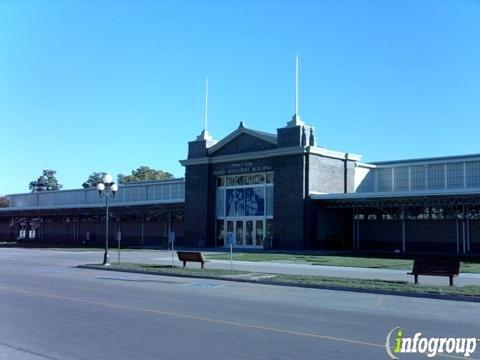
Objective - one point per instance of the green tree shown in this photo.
(46, 182)
(4, 201)
(144, 173)
(93, 180)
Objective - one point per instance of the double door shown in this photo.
(246, 232)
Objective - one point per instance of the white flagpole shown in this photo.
(296, 85)
(206, 105)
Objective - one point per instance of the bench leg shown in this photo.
(451, 280)
(184, 263)
(416, 279)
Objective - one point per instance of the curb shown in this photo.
(462, 298)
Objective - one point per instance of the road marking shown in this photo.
(210, 320)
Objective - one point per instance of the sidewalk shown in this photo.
(274, 267)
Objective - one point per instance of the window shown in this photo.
(220, 202)
(473, 174)
(244, 209)
(270, 201)
(436, 176)
(384, 179)
(455, 175)
(418, 178)
(400, 178)
(235, 202)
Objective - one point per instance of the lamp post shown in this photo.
(106, 188)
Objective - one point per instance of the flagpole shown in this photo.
(296, 85)
(206, 105)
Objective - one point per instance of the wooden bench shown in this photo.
(190, 256)
(435, 267)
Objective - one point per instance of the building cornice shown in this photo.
(291, 150)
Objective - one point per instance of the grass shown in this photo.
(329, 260)
(175, 270)
(372, 284)
(322, 281)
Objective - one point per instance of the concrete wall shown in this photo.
(327, 174)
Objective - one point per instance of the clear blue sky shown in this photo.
(111, 85)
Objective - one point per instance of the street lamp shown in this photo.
(106, 188)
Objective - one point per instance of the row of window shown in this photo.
(251, 179)
(420, 177)
(175, 191)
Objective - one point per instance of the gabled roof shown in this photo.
(265, 136)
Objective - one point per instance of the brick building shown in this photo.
(279, 190)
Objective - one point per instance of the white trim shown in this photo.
(365, 165)
(373, 195)
(290, 150)
(96, 205)
(432, 161)
(332, 153)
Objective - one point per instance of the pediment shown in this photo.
(243, 140)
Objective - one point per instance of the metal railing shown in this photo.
(147, 192)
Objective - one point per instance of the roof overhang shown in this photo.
(90, 206)
(393, 195)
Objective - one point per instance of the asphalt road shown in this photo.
(51, 310)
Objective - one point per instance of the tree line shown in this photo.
(48, 181)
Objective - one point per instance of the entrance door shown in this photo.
(239, 232)
(259, 233)
(247, 232)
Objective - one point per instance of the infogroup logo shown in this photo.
(397, 343)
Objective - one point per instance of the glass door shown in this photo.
(249, 233)
(239, 232)
(259, 232)
(230, 231)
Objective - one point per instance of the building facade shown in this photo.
(272, 190)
